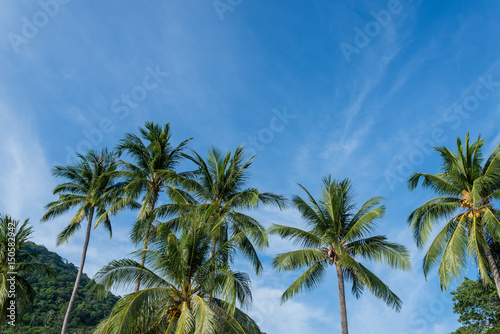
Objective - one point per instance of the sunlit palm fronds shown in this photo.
(91, 188)
(467, 186)
(339, 236)
(219, 185)
(184, 290)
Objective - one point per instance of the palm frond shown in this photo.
(298, 259)
(310, 279)
(300, 238)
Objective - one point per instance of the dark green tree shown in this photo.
(52, 294)
(478, 306)
(15, 264)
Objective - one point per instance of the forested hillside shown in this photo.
(53, 294)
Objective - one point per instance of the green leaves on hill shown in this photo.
(52, 295)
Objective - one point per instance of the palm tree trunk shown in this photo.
(493, 267)
(343, 309)
(212, 247)
(150, 218)
(145, 245)
(79, 275)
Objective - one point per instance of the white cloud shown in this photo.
(24, 169)
(27, 185)
(292, 317)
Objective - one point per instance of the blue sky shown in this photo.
(360, 90)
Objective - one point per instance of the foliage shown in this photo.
(91, 187)
(52, 295)
(220, 187)
(183, 289)
(16, 262)
(478, 306)
(339, 236)
(467, 187)
(151, 172)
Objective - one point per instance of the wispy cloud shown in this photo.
(24, 169)
(27, 185)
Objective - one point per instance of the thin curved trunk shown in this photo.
(222, 240)
(343, 309)
(145, 243)
(79, 275)
(493, 267)
(212, 247)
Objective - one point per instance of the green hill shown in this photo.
(53, 294)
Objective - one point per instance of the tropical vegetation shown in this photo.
(219, 187)
(467, 187)
(90, 187)
(185, 288)
(478, 306)
(52, 293)
(151, 172)
(194, 222)
(15, 263)
(338, 235)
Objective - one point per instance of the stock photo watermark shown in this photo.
(267, 308)
(223, 6)
(48, 9)
(365, 35)
(453, 117)
(11, 280)
(121, 108)
(422, 319)
(257, 143)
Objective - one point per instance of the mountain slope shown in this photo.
(53, 294)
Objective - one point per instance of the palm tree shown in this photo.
(14, 262)
(467, 187)
(151, 171)
(220, 187)
(338, 236)
(91, 187)
(184, 290)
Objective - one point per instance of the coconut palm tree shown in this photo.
(14, 262)
(183, 289)
(152, 170)
(467, 188)
(339, 236)
(90, 187)
(220, 187)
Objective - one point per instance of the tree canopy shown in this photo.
(478, 306)
(52, 295)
